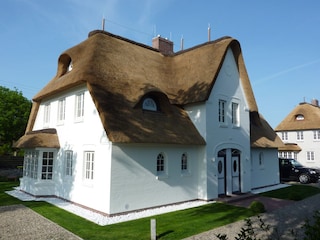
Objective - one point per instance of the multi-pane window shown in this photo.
(160, 163)
(61, 110)
(284, 136)
(89, 165)
(300, 135)
(222, 111)
(30, 164)
(310, 156)
(79, 108)
(149, 104)
(316, 135)
(235, 114)
(47, 165)
(184, 162)
(46, 114)
(68, 162)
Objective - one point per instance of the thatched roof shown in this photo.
(305, 116)
(290, 147)
(262, 135)
(41, 138)
(119, 73)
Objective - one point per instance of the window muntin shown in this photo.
(149, 104)
(310, 156)
(61, 110)
(79, 107)
(46, 114)
(30, 164)
(47, 165)
(89, 165)
(235, 114)
(284, 136)
(184, 162)
(160, 163)
(316, 135)
(68, 163)
(300, 135)
(222, 111)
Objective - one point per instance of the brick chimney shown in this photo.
(163, 45)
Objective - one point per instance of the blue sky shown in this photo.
(279, 39)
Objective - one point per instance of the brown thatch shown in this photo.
(290, 147)
(119, 73)
(311, 118)
(41, 138)
(262, 135)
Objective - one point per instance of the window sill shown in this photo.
(162, 176)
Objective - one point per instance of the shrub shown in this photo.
(257, 207)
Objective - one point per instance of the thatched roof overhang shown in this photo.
(47, 138)
(290, 147)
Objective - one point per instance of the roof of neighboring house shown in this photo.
(119, 73)
(290, 147)
(41, 138)
(305, 116)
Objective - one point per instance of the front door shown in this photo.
(221, 175)
(235, 174)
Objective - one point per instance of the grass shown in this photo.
(175, 225)
(294, 192)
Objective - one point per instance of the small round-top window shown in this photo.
(149, 104)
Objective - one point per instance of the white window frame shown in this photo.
(284, 136)
(68, 163)
(149, 104)
(61, 110)
(316, 135)
(88, 165)
(79, 107)
(46, 114)
(310, 156)
(47, 165)
(222, 112)
(161, 166)
(299, 135)
(30, 164)
(235, 115)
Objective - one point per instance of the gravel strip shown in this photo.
(20, 222)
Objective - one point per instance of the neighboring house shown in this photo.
(124, 126)
(300, 131)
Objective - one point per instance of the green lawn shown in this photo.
(175, 225)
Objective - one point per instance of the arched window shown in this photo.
(184, 162)
(149, 104)
(160, 163)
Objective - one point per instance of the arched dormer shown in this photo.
(64, 64)
(154, 101)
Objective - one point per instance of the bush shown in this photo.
(257, 207)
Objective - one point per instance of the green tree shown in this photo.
(14, 115)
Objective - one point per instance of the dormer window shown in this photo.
(70, 66)
(299, 117)
(149, 104)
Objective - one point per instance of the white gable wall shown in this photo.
(78, 136)
(135, 183)
(217, 136)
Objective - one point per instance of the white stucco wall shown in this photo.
(205, 117)
(308, 144)
(78, 136)
(265, 167)
(136, 185)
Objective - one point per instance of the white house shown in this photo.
(124, 126)
(300, 132)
